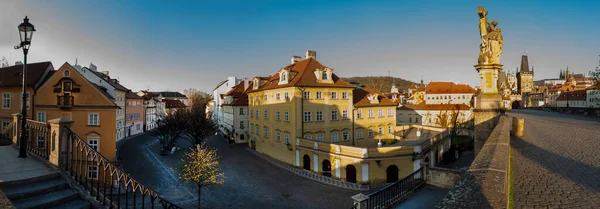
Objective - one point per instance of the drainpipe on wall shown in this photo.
(302, 110)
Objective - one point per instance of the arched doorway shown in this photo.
(326, 168)
(516, 104)
(391, 174)
(306, 162)
(351, 173)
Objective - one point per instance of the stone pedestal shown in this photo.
(488, 103)
(58, 142)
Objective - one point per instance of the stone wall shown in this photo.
(443, 177)
(486, 182)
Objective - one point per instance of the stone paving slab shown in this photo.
(556, 163)
(310, 175)
(13, 168)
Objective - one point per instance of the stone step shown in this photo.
(29, 180)
(47, 200)
(75, 204)
(16, 192)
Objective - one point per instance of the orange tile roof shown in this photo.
(305, 77)
(435, 107)
(173, 103)
(242, 99)
(361, 100)
(448, 88)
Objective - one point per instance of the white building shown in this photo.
(432, 114)
(235, 112)
(218, 92)
(593, 98)
(572, 99)
(448, 93)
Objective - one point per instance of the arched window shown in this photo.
(324, 76)
(67, 73)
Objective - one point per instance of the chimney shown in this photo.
(93, 67)
(310, 53)
(296, 59)
(18, 63)
(245, 83)
(104, 72)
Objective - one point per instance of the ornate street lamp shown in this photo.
(26, 30)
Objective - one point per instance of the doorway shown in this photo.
(306, 162)
(326, 168)
(391, 174)
(351, 173)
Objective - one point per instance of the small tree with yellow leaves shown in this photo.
(200, 165)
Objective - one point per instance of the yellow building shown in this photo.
(305, 113)
(11, 87)
(67, 94)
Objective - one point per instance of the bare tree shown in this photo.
(197, 125)
(201, 166)
(196, 97)
(169, 128)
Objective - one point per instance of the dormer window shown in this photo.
(373, 98)
(283, 76)
(67, 73)
(255, 84)
(324, 75)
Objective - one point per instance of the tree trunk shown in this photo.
(199, 187)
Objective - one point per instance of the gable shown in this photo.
(87, 93)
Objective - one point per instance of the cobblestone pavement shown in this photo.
(250, 181)
(556, 164)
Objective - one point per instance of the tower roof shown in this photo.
(524, 64)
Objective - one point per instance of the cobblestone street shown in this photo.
(556, 164)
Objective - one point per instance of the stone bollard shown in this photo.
(518, 126)
(59, 138)
(16, 128)
(360, 201)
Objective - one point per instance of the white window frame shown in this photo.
(266, 114)
(277, 96)
(334, 115)
(278, 136)
(359, 114)
(286, 138)
(320, 137)
(286, 116)
(344, 114)
(390, 129)
(95, 145)
(390, 113)
(371, 133)
(307, 136)
(266, 132)
(97, 119)
(319, 116)
(277, 115)
(43, 118)
(319, 95)
(92, 172)
(286, 95)
(307, 116)
(334, 137)
(6, 100)
(306, 95)
(371, 114)
(380, 131)
(345, 136)
(380, 112)
(334, 95)
(344, 95)
(359, 133)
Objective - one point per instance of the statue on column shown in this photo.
(491, 39)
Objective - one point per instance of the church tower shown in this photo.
(524, 77)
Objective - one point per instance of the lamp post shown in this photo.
(26, 30)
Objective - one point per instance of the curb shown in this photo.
(311, 176)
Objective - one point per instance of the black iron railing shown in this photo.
(37, 140)
(109, 185)
(396, 192)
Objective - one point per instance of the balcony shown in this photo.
(65, 101)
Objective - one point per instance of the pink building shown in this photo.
(134, 114)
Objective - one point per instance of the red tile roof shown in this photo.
(448, 88)
(173, 103)
(361, 99)
(434, 107)
(131, 95)
(305, 76)
(572, 95)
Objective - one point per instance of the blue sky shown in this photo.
(194, 44)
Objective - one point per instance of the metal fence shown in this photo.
(397, 191)
(104, 181)
(37, 139)
(7, 132)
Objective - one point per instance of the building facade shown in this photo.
(438, 115)
(235, 113)
(134, 117)
(11, 78)
(448, 93)
(114, 89)
(576, 98)
(306, 116)
(218, 99)
(90, 107)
